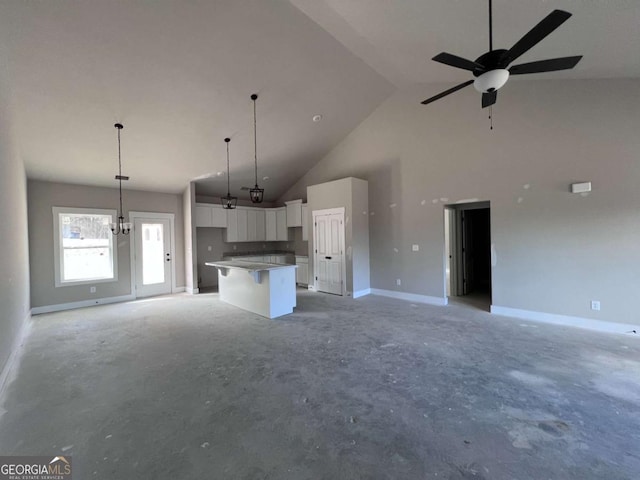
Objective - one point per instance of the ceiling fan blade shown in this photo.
(536, 34)
(458, 62)
(551, 65)
(489, 99)
(447, 92)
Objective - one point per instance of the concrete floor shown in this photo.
(186, 387)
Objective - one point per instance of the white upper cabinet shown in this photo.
(270, 225)
(210, 215)
(232, 225)
(204, 216)
(256, 225)
(294, 213)
(243, 233)
(219, 216)
(281, 224)
(305, 222)
(237, 230)
(252, 232)
(261, 230)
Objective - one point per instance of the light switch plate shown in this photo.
(415, 248)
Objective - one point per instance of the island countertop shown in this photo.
(249, 266)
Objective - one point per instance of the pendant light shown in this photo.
(228, 202)
(256, 193)
(120, 227)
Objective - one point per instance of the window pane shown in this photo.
(152, 253)
(87, 263)
(87, 247)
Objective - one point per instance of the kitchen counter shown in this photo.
(267, 289)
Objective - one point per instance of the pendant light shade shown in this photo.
(256, 193)
(228, 202)
(120, 227)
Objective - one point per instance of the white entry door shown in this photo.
(329, 252)
(153, 262)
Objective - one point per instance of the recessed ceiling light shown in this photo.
(265, 178)
(316, 118)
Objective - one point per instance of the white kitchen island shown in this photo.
(263, 288)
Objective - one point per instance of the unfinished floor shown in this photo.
(185, 387)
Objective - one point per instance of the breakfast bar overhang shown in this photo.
(263, 288)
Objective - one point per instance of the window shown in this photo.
(84, 246)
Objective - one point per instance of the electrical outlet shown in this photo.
(415, 248)
(209, 248)
(92, 289)
(398, 282)
(595, 305)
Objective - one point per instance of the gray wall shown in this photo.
(14, 256)
(42, 196)
(359, 225)
(209, 237)
(190, 239)
(556, 251)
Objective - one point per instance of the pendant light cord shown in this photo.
(228, 178)
(255, 138)
(120, 171)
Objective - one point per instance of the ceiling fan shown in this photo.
(490, 69)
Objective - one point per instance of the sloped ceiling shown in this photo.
(179, 75)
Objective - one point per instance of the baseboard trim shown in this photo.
(565, 320)
(84, 303)
(178, 290)
(191, 291)
(362, 293)
(411, 297)
(10, 367)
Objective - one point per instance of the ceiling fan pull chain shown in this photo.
(491, 117)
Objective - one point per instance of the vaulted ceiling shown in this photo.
(179, 76)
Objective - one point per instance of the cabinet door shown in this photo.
(204, 216)
(243, 234)
(302, 274)
(261, 233)
(270, 225)
(219, 216)
(252, 233)
(281, 225)
(305, 223)
(294, 215)
(232, 225)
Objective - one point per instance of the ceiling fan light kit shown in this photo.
(491, 70)
(491, 81)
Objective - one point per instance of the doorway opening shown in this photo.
(468, 254)
(152, 254)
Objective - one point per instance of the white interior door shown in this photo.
(329, 252)
(153, 262)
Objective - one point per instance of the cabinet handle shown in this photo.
(328, 258)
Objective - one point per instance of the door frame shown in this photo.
(456, 233)
(343, 239)
(132, 247)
